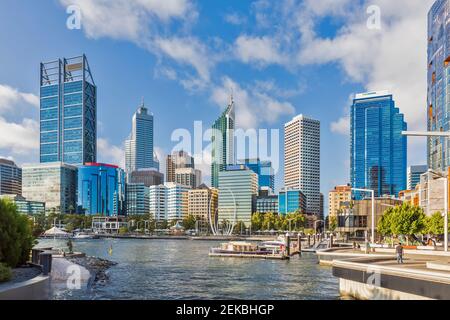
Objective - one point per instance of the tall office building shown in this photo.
(202, 202)
(101, 190)
(413, 175)
(10, 178)
(53, 183)
(188, 177)
(302, 160)
(139, 152)
(222, 153)
(238, 189)
(264, 170)
(438, 104)
(291, 201)
(68, 112)
(137, 199)
(378, 148)
(177, 160)
(177, 201)
(158, 202)
(148, 177)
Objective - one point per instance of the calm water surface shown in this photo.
(181, 269)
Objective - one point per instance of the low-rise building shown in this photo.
(24, 206)
(355, 217)
(267, 203)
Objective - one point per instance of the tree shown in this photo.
(257, 221)
(404, 220)
(384, 224)
(332, 223)
(189, 222)
(16, 235)
(435, 224)
(239, 227)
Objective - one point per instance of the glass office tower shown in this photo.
(264, 170)
(291, 201)
(139, 151)
(222, 153)
(378, 148)
(101, 190)
(68, 112)
(438, 84)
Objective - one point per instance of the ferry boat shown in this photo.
(268, 250)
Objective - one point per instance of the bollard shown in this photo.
(299, 244)
(309, 241)
(314, 240)
(45, 260)
(288, 246)
(331, 241)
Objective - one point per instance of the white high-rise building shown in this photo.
(139, 152)
(177, 201)
(158, 200)
(302, 159)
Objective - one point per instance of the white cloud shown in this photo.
(253, 107)
(235, 18)
(341, 126)
(19, 138)
(11, 97)
(128, 20)
(110, 154)
(188, 51)
(261, 50)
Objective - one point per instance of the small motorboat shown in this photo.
(85, 235)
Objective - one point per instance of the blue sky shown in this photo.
(281, 58)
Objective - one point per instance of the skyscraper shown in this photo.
(302, 160)
(378, 148)
(438, 84)
(10, 178)
(139, 152)
(264, 170)
(238, 189)
(188, 177)
(177, 160)
(68, 112)
(101, 190)
(222, 153)
(413, 175)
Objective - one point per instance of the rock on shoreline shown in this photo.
(96, 266)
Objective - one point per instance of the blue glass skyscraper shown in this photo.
(438, 106)
(378, 148)
(68, 112)
(139, 151)
(101, 190)
(264, 170)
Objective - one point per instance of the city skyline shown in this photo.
(113, 132)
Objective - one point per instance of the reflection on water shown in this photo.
(181, 269)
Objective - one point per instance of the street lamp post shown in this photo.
(442, 135)
(372, 192)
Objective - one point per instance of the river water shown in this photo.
(182, 269)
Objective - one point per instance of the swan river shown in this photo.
(182, 269)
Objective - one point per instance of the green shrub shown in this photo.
(5, 273)
(16, 236)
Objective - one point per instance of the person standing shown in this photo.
(399, 252)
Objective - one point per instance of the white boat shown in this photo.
(84, 235)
